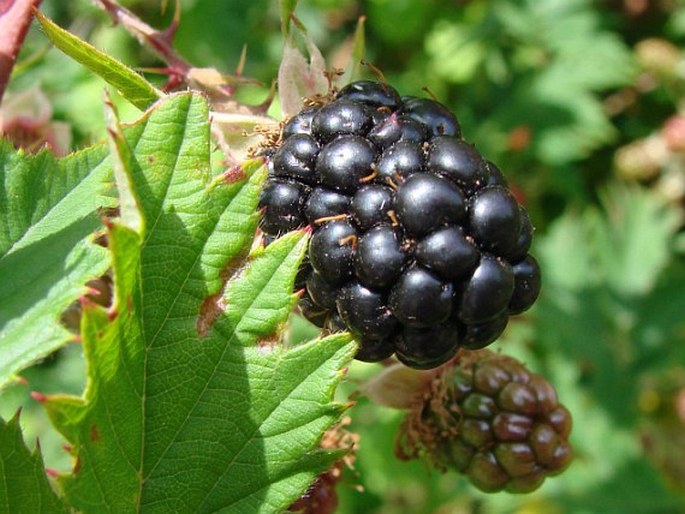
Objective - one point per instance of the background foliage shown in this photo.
(581, 103)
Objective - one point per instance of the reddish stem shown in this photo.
(15, 19)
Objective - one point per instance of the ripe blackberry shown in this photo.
(426, 348)
(380, 258)
(433, 115)
(372, 94)
(458, 161)
(301, 123)
(417, 245)
(282, 201)
(397, 128)
(495, 220)
(399, 161)
(320, 291)
(448, 252)
(345, 162)
(296, 158)
(526, 285)
(426, 202)
(371, 204)
(331, 251)
(325, 203)
(488, 291)
(492, 420)
(420, 299)
(343, 116)
(365, 312)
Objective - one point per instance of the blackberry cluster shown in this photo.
(512, 432)
(418, 247)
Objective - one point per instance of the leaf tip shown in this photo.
(15, 418)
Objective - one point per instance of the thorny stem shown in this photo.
(15, 19)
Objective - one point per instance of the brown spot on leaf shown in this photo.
(215, 305)
(77, 466)
(211, 309)
(150, 159)
(233, 266)
(269, 340)
(94, 434)
(234, 174)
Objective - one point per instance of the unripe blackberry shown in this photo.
(491, 419)
(417, 245)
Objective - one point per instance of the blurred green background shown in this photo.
(582, 105)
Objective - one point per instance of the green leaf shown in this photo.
(634, 244)
(191, 402)
(24, 486)
(625, 247)
(47, 209)
(353, 70)
(130, 85)
(287, 10)
(456, 51)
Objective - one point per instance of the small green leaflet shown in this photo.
(192, 404)
(130, 84)
(353, 69)
(24, 486)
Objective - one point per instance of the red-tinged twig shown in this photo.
(15, 18)
(160, 41)
(217, 86)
